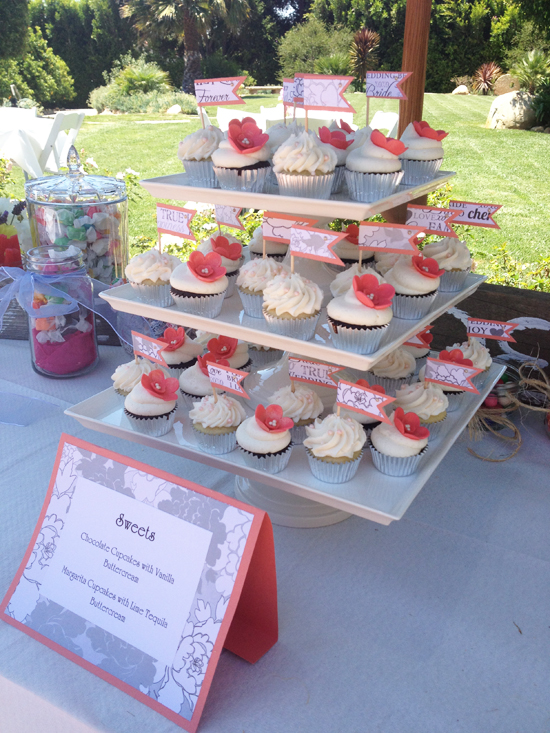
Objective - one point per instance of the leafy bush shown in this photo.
(485, 77)
(337, 65)
(249, 80)
(217, 65)
(363, 54)
(526, 39)
(142, 76)
(466, 81)
(503, 269)
(110, 97)
(532, 70)
(541, 103)
(305, 43)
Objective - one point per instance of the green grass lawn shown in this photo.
(508, 167)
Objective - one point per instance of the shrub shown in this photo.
(142, 76)
(110, 97)
(541, 103)
(217, 65)
(466, 81)
(485, 77)
(363, 53)
(532, 70)
(336, 65)
(305, 43)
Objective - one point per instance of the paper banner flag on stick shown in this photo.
(276, 227)
(396, 238)
(315, 244)
(218, 91)
(362, 399)
(322, 91)
(449, 374)
(386, 84)
(175, 220)
(298, 91)
(227, 378)
(228, 216)
(418, 339)
(148, 348)
(432, 219)
(487, 329)
(288, 91)
(303, 370)
(476, 215)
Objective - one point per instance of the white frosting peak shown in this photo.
(304, 153)
(151, 265)
(335, 437)
(398, 364)
(293, 294)
(425, 401)
(370, 158)
(344, 280)
(387, 439)
(418, 147)
(142, 402)
(201, 144)
(302, 404)
(407, 280)
(258, 273)
(223, 412)
(127, 375)
(449, 253)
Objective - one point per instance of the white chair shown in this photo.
(62, 135)
(385, 121)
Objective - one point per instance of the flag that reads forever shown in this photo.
(218, 91)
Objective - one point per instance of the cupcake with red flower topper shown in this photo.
(424, 153)
(198, 286)
(265, 439)
(340, 142)
(373, 171)
(416, 282)
(398, 447)
(241, 162)
(235, 351)
(359, 318)
(194, 383)
(231, 251)
(151, 405)
(180, 351)
(348, 250)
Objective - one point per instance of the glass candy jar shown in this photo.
(62, 335)
(87, 211)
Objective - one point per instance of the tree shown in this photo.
(538, 12)
(13, 28)
(305, 43)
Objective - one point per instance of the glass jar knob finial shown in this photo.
(73, 161)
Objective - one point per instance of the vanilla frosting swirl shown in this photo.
(302, 404)
(386, 260)
(222, 412)
(183, 279)
(279, 133)
(194, 382)
(449, 253)
(186, 352)
(407, 280)
(344, 280)
(398, 364)
(360, 137)
(479, 354)
(304, 153)
(369, 158)
(201, 144)
(151, 265)
(335, 437)
(359, 417)
(142, 402)
(418, 147)
(387, 439)
(348, 309)
(257, 273)
(254, 439)
(230, 265)
(256, 244)
(240, 357)
(424, 401)
(291, 293)
(227, 157)
(127, 375)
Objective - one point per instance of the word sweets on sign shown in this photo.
(303, 370)
(476, 215)
(362, 399)
(149, 348)
(386, 84)
(276, 227)
(395, 238)
(175, 220)
(432, 219)
(450, 374)
(227, 378)
(321, 91)
(218, 91)
(228, 216)
(315, 244)
(482, 328)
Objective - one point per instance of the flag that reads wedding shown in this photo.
(149, 348)
(315, 244)
(488, 329)
(395, 238)
(218, 91)
(386, 84)
(227, 378)
(303, 370)
(363, 398)
(321, 91)
(452, 370)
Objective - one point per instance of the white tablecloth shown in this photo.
(23, 142)
(436, 624)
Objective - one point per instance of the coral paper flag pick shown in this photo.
(360, 397)
(225, 377)
(452, 370)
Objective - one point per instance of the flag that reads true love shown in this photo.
(475, 215)
(218, 92)
(303, 370)
(228, 216)
(315, 244)
(452, 370)
(321, 91)
(386, 84)
(432, 219)
(149, 348)
(175, 220)
(395, 238)
(276, 227)
(360, 397)
(489, 329)
(227, 378)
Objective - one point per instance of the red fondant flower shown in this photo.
(223, 347)
(207, 268)
(396, 147)
(369, 292)
(427, 338)
(373, 387)
(271, 419)
(172, 338)
(455, 357)
(345, 127)
(427, 266)
(408, 424)
(352, 233)
(424, 130)
(208, 357)
(160, 386)
(221, 246)
(245, 136)
(336, 138)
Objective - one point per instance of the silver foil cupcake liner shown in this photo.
(152, 426)
(269, 462)
(390, 385)
(453, 282)
(392, 466)
(208, 306)
(333, 473)
(231, 279)
(201, 173)
(297, 328)
(339, 179)
(412, 307)
(298, 432)
(153, 294)
(261, 358)
(419, 171)
(455, 400)
(309, 187)
(357, 340)
(369, 187)
(435, 428)
(216, 445)
(252, 181)
(252, 304)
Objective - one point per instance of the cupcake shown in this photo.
(340, 143)
(455, 395)
(198, 286)
(126, 376)
(423, 155)
(151, 405)
(279, 133)
(303, 405)
(344, 280)
(393, 370)
(359, 319)
(334, 447)
(419, 352)
(373, 171)
(253, 277)
(291, 306)
(273, 250)
(398, 447)
(241, 162)
(416, 281)
(425, 399)
(231, 251)
(384, 261)
(347, 249)
(304, 166)
(233, 350)
(195, 152)
(180, 352)
(149, 275)
(195, 383)
(215, 420)
(479, 356)
(263, 355)
(358, 137)
(453, 256)
(265, 439)
(366, 421)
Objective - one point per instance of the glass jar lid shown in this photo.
(75, 187)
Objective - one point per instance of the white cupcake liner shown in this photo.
(455, 400)
(390, 385)
(152, 426)
(153, 294)
(369, 187)
(339, 178)
(412, 307)
(252, 304)
(201, 173)
(452, 282)
(392, 466)
(231, 279)
(298, 432)
(356, 340)
(208, 306)
(268, 462)
(435, 428)
(216, 445)
(262, 358)
(298, 328)
(252, 181)
(333, 473)
(309, 187)
(419, 171)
